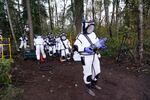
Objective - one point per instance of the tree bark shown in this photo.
(19, 16)
(100, 13)
(93, 10)
(30, 24)
(56, 22)
(11, 26)
(63, 15)
(40, 18)
(73, 15)
(78, 14)
(106, 4)
(112, 18)
(50, 15)
(140, 32)
(117, 12)
(86, 10)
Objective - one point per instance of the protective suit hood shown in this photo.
(63, 36)
(88, 27)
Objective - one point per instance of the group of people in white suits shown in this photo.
(51, 45)
(58, 46)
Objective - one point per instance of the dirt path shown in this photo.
(63, 81)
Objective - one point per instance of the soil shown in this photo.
(54, 80)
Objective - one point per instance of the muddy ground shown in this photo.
(54, 80)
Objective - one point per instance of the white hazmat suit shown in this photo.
(65, 48)
(39, 44)
(89, 58)
(23, 42)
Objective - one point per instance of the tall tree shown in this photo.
(11, 26)
(50, 15)
(39, 15)
(63, 14)
(140, 32)
(37, 21)
(112, 18)
(86, 9)
(99, 4)
(30, 23)
(56, 15)
(117, 11)
(78, 14)
(19, 17)
(106, 5)
(73, 17)
(93, 10)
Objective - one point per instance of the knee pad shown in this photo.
(51, 52)
(89, 78)
(68, 55)
(83, 60)
(94, 82)
(63, 57)
(90, 86)
(97, 76)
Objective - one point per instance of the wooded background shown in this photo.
(44, 16)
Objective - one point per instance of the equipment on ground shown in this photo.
(5, 49)
(29, 54)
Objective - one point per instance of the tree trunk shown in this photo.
(19, 16)
(78, 14)
(50, 15)
(100, 13)
(86, 10)
(140, 32)
(40, 18)
(11, 26)
(93, 10)
(63, 15)
(117, 11)
(106, 4)
(112, 18)
(73, 15)
(30, 24)
(56, 14)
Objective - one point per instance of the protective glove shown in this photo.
(88, 50)
(103, 47)
(102, 42)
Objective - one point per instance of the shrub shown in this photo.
(5, 68)
(11, 93)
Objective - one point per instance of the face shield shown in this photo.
(63, 37)
(88, 27)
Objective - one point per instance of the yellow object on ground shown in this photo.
(5, 49)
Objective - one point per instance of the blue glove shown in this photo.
(102, 42)
(103, 47)
(88, 50)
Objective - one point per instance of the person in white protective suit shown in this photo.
(39, 45)
(86, 44)
(23, 41)
(65, 48)
(58, 45)
(26, 29)
(51, 44)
